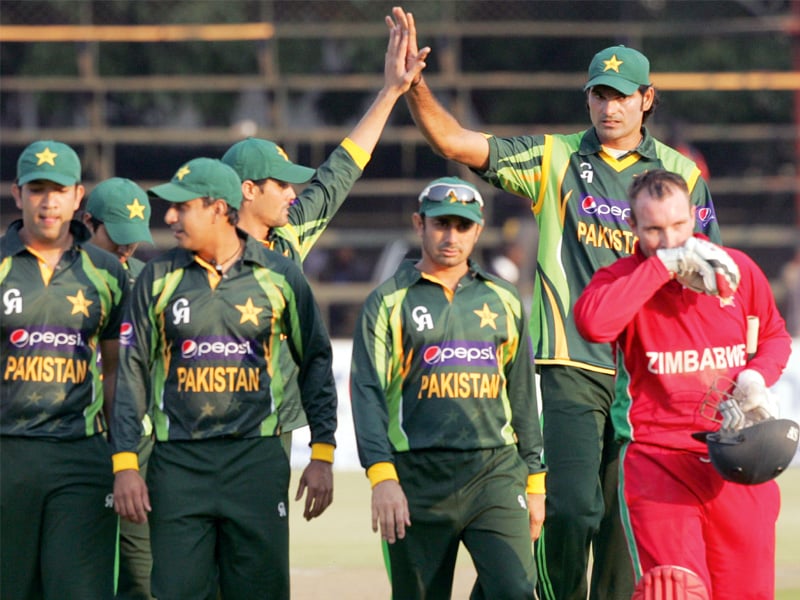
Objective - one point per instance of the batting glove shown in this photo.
(732, 414)
(703, 267)
(754, 398)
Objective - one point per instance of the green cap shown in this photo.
(451, 196)
(124, 209)
(202, 178)
(49, 160)
(255, 159)
(619, 67)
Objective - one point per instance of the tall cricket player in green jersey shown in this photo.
(206, 327)
(577, 186)
(445, 412)
(62, 303)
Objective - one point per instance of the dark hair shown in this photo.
(232, 213)
(656, 100)
(658, 183)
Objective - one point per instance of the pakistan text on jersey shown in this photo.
(218, 379)
(460, 386)
(691, 361)
(600, 236)
(46, 369)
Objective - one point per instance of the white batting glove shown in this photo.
(754, 398)
(702, 267)
(732, 415)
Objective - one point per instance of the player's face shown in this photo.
(447, 241)
(102, 239)
(271, 202)
(192, 223)
(47, 208)
(665, 222)
(617, 118)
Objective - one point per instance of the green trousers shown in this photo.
(57, 522)
(582, 508)
(477, 498)
(220, 518)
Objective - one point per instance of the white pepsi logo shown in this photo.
(22, 338)
(214, 349)
(126, 333)
(458, 354)
(604, 208)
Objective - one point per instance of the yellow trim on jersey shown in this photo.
(44, 268)
(574, 363)
(619, 165)
(447, 291)
(214, 276)
(323, 452)
(560, 334)
(123, 461)
(382, 471)
(360, 156)
(535, 484)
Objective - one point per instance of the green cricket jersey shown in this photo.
(319, 201)
(433, 369)
(204, 357)
(51, 384)
(309, 216)
(578, 196)
(133, 266)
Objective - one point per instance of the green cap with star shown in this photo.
(451, 196)
(202, 178)
(619, 67)
(50, 161)
(124, 209)
(256, 159)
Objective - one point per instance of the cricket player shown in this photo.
(118, 214)
(445, 412)
(674, 338)
(205, 327)
(291, 223)
(62, 303)
(577, 186)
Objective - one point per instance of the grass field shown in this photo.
(338, 555)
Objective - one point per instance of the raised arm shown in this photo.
(397, 79)
(441, 129)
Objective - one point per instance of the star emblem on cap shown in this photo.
(80, 304)
(282, 153)
(249, 312)
(135, 209)
(487, 316)
(46, 156)
(451, 195)
(182, 172)
(612, 64)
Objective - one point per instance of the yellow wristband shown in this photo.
(323, 452)
(536, 484)
(381, 471)
(359, 155)
(122, 461)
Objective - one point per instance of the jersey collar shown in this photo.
(12, 243)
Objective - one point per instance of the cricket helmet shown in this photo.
(754, 454)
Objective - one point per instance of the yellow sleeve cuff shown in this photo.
(323, 452)
(359, 155)
(122, 461)
(536, 483)
(381, 471)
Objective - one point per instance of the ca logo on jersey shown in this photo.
(180, 312)
(586, 172)
(422, 318)
(12, 301)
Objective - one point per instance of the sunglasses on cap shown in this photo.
(451, 192)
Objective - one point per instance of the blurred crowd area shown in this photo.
(139, 109)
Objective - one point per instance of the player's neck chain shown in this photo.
(220, 266)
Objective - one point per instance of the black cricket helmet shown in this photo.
(754, 454)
